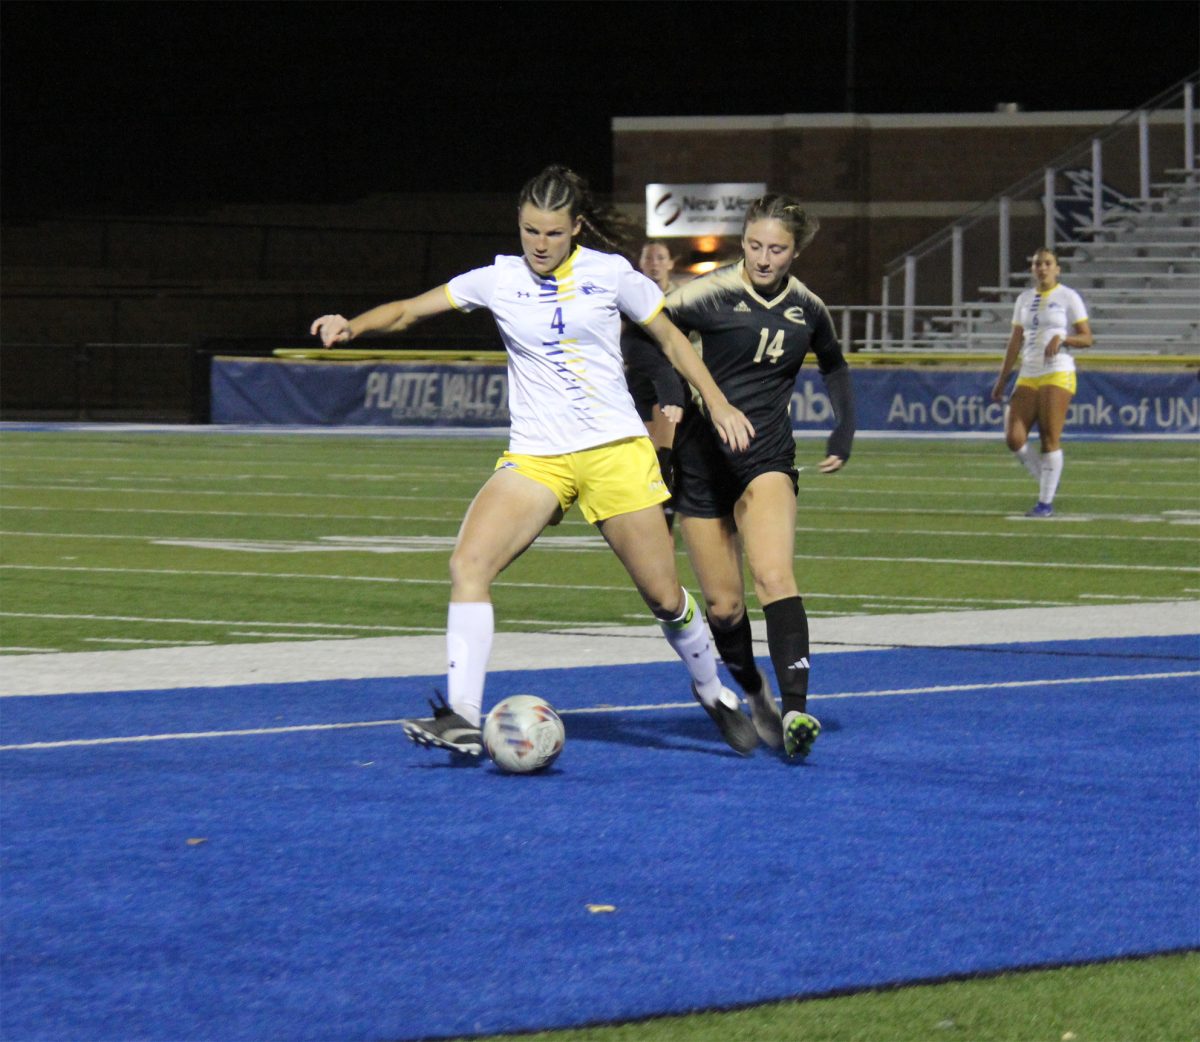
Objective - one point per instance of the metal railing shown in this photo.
(960, 251)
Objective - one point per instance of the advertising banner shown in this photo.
(698, 209)
(360, 394)
(952, 401)
(935, 401)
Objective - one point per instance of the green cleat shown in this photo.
(800, 730)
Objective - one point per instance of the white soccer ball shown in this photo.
(523, 733)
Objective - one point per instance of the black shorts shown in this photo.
(710, 478)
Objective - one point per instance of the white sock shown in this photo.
(1052, 465)
(469, 629)
(1029, 461)
(689, 637)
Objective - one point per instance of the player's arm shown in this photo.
(731, 424)
(394, 317)
(839, 386)
(1010, 359)
(1079, 337)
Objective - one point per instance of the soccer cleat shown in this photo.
(800, 730)
(734, 725)
(1040, 510)
(764, 711)
(445, 730)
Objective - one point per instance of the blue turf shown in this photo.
(351, 886)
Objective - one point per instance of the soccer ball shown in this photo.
(523, 733)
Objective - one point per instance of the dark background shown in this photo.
(162, 107)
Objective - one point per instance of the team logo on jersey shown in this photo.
(590, 287)
(795, 315)
(742, 306)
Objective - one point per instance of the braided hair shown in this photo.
(559, 188)
(787, 211)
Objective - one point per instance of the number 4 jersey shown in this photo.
(562, 332)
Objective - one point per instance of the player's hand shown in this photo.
(732, 426)
(831, 464)
(673, 413)
(998, 390)
(332, 329)
(1053, 346)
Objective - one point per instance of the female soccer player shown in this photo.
(1046, 321)
(574, 436)
(757, 323)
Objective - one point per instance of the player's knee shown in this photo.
(469, 571)
(726, 612)
(774, 584)
(1015, 440)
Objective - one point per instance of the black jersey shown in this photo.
(753, 347)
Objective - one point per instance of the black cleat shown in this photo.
(735, 727)
(445, 730)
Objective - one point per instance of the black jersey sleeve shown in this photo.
(838, 385)
(840, 389)
(644, 357)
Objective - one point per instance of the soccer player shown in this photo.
(1047, 321)
(659, 394)
(574, 437)
(757, 322)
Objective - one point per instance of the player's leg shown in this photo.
(766, 518)
(1053, 402)
(715, 553)
(621, 492)
(1019, 417)
(505, 517)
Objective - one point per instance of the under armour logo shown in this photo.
(523, 293)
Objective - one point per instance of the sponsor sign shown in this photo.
(956, 401)
(428, 394)
(373, 394)
(698, 209)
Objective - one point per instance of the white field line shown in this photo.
(1026, 532)
(808, 492)
(941, 689)
(1164, 517)
(955, 562)
(217, 622)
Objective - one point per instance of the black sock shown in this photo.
(736, 648)
(787, 639)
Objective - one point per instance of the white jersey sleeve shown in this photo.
(638, 297)
(472, 289)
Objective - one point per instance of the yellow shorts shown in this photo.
(612, 479)
(1065, 380)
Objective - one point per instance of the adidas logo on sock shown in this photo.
(801, 664)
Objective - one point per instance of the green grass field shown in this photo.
(122, 539)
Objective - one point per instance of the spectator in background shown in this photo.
(659, 393)
(574, 436)
(1048, 321)
(757, 322)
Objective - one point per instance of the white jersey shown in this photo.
(1043, 316)
(566, 380)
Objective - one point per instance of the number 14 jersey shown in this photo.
(754, 347)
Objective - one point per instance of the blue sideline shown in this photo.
(344, 884)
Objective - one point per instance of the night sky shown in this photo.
(159, 107)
